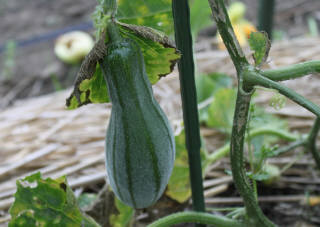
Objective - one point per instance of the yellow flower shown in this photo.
(242, 28)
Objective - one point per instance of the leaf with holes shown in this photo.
(160, 56)
(46, 202)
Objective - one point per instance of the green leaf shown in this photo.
(123, 216)
(207, 86)
(200, 16)
(46, 202)
(260, 118)
(262, 144)
(260, 45)
(221, 110)
(86, 200)
(160, 56)
(154, 14)
(107, 210)
(268, 174)
(179, 183)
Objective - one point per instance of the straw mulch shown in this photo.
(39, 134)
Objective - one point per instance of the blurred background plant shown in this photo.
(9, 60)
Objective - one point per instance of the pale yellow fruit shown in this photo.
(72, 47)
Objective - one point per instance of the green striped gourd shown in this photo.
(140, 147)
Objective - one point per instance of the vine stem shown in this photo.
(252, 78)
(195, 217)
(255, 215)
(312, 138)
(183, 37)
(289, 147)
(112, 7)
(227, 34)
(292, 71)
(224, 150)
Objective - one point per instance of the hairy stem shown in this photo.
(288, 148)
(112, 7)
(292, 71)
(223, 151)
(253, 78)
(255, 215)
(228, 36)
(195, 217)
(312, 139)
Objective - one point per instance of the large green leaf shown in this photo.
(160, 56)
(200, 16)
(46, 202)
(155, 14)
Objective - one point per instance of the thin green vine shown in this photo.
(196, 217)
(253, 78)
(311, 144)
(223, 151)
(292, 71)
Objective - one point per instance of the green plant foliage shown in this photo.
(273, 172)
(260, 45)
(9, 59)
(221, 110)
(123, 216)
(200, 16)
(154, 14)
(159, 54)
(277, 101)
(86, 200)
(207, 86)
(261, 119)
(179, 184)
(268, 174)
(46, 202)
